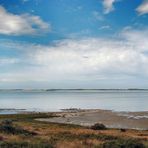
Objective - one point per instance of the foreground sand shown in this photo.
(128, 120)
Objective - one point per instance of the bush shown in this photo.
(122, 130)
(123, 144)
(8, 127)
(98, 126)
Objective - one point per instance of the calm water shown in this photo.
(122, 100)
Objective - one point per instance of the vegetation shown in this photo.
(24, 145)
(129, 143)
(98, 126)
(7, 127)
(23, 131)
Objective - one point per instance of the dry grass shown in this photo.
(62, 136)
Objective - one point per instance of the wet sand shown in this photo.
(111, 119)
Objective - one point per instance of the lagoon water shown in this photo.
(118, 100)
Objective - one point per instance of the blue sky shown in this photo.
(73, 43)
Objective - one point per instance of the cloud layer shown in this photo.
(96, 56)
(85, 59)
(12, 24)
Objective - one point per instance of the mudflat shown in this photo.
(111, 119)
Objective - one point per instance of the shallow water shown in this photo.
(118, 100)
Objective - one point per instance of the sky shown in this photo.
(73, 44)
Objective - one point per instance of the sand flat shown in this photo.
(128, 120)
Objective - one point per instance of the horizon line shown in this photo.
(50, 89)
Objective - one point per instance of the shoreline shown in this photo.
(36, 110)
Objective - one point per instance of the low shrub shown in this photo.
(98, 126)
(130, 143)
(122, 130)
(8, 127)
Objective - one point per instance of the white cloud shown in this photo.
(4, 61)
(94, 56)
(84, 59)
(143, 8)
(12, 24)
(104, 27)
(25, 1)
(98, 16)
(108, 5)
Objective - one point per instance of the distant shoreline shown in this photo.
(46, 90)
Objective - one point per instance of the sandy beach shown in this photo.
(111, 119)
